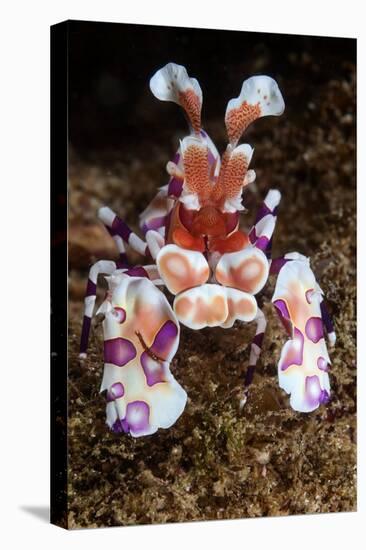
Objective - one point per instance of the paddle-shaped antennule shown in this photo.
(259, 96)
(197, 186)
(172, 83)
(233, 176)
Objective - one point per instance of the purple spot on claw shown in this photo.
(115, 392)
(313, 391)
(294, 351)
(137, 417)
(164, 340)
(314, 329)
(281, 307)
(118, 351)
(322, 364)
(154, 370)
(308, 295)
(162, 345)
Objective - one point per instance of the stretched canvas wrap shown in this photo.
(203, 274)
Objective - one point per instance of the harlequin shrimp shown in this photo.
(211, 267)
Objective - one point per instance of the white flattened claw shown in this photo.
(155, 242)
(246, 270)
(181, 269)
(141, 336)
(259, 96)
(304, 362)
(154, 215)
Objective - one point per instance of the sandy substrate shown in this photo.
(217, 462)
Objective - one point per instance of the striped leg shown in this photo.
(157, 213)
(118, 227)
(155, 242)
(123, 262)
(255, 351)
(102, 266)
(149, 271)
(262, 231)
(328, 323)
(276, 264)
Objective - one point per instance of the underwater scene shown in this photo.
(212, 364)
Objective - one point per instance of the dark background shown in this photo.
(110, 66)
